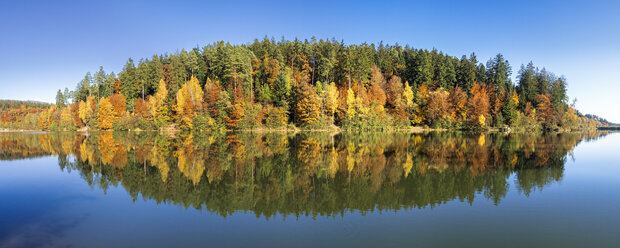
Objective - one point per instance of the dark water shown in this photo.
(310, 190)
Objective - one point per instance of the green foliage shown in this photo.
(276, 118)
(364, 87)
(204, 123)
(132, 123)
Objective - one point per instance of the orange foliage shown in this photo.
(437, 105)
(307, 110)
(141, 109)
(479, 103)
(544, 109)
(394, 91)
(212, 93)
(458, 104)
(119, 104)
(376, 77)
(376, 94)
(75, 114)
(236, 111)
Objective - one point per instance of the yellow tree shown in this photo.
(105, 118)
(82, 111)
(408, 96)
(308, 106)
(418, 108)
(87, 109)
(515, 98)
(351, 104)
(189, 101)
(157, 103)
(331, 99)
(66, 119)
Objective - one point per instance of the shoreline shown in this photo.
(326, 130)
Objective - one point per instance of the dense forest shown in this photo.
(21, 114)
(310, 173)
(311, 84)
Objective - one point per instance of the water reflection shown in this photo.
(305, 173)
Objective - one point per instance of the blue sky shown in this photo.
(47, 45)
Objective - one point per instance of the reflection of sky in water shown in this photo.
(43, 206)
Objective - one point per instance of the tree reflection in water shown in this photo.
(306, 173)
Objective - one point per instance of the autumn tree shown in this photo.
(331, 100)
(377, 94)
(458, 104)
(141, 109)
(479, 106)
(75, 114)
(212, 95)
(419, 105)
(394, 92)
(307, 110)
(105, 117)
(87, 110)
(437, 106)
(66, 118)
(235, 110)
(544, 111)
(158, 103)
(189, 102)
(119, 104)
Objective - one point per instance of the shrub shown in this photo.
(132, 123)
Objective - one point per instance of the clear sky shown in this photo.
(47, 45)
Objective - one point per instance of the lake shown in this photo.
(399, 189)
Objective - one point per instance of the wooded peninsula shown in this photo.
(309, 84)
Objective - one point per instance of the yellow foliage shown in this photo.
(482, 120)
(308, 107)
(189, 101)
(105, 117)
(515, 98)
(86, 109)
(350, 103)
(157, 102)
(408, 95)
(65, 116)
(331, 99)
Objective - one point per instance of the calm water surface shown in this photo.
(310, 190)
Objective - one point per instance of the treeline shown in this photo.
(307, 173)
(315, 84)
(8, 104)
(21, 114)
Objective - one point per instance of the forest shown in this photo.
(309, 84)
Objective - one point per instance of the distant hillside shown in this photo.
(598, 119)
(21, 114)
(7, 104)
